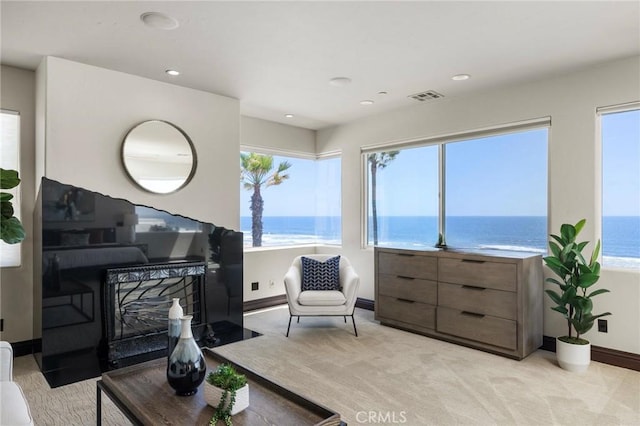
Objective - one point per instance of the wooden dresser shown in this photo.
(488, 300)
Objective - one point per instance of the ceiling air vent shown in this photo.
(429, 95)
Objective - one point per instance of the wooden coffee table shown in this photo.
(142, 393)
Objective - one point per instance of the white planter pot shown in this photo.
(574, 358)
(213, 394)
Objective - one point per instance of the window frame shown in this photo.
(14, 250)
(600, 113)
(441, 141)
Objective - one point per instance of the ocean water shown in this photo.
(620, 240)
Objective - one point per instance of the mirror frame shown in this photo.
(194, 162)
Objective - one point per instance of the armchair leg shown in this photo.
(289, 326)
(354, 325)
(298, 319)
(345, 319)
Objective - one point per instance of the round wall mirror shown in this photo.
(158, 156)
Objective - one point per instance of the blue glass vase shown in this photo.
(186, 367)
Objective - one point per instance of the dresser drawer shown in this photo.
(479, 300)
(499, 276)
(414, 289)
(408, 265)
(481, 328)
(409, 312)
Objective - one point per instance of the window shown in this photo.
(621, 188)
(403, 197)
(494, 188)
(289, 200)
(10, 159)
(497, 192)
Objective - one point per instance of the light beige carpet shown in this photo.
(68, 405)
(387, 376)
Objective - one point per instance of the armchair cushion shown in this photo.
(321, 298)
(319, 275)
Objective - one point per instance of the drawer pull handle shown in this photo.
(471, 314)
(473, 261)
(406, 254)
(470, 287)
(402, 277)
(405, 300)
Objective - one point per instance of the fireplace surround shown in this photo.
(102, 290)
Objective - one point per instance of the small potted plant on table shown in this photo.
(577, 275)
(227, 391)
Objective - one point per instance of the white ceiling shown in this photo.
(277, 57)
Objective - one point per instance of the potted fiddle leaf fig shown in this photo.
(227, 391)
(577, 275)
(11, 230)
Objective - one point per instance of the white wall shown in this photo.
(89, 110)
(571, 101)
(258, 133)
(17, 93)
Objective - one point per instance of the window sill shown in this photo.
(289, 247)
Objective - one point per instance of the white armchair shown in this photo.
(321, 302)
(14, 410)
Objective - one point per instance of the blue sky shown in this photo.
(297, 196)
(621, 164)
(497, 176)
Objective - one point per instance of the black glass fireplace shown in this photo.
(106, 271)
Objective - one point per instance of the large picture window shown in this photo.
(621, 188)
(496, 192)
(10, 159)
(288, 200)
(493, 187)
(403, 197)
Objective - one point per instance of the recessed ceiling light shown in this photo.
(340, 81)
(366, 102)
(173, 72)
(159, 21)
(460, 77)
(289, 115)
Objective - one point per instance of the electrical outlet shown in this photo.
(255, 285)
(602, 325)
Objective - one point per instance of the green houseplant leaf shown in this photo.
(8, 179)
(11, 229)
(569, 264)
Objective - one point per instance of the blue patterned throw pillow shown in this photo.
(318, 275)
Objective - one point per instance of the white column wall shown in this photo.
(89, 110)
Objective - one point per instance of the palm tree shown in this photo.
(378, 161)
(257, 171)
